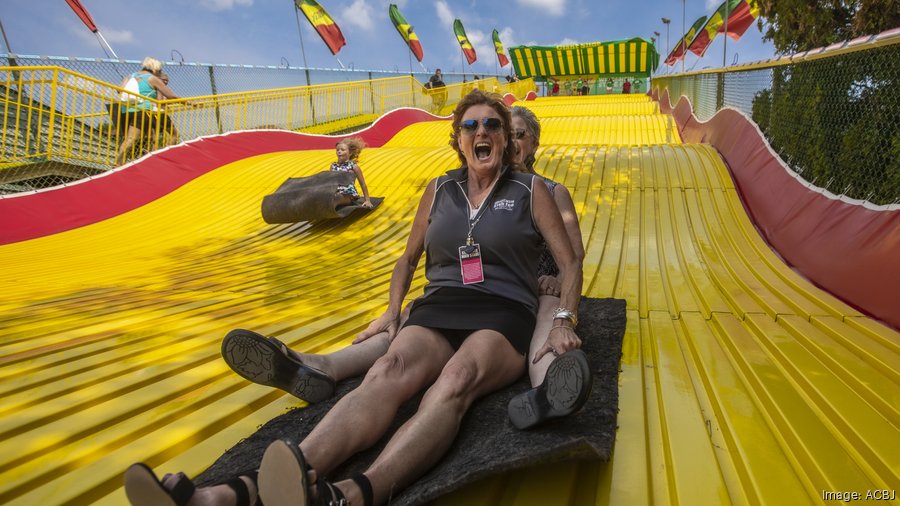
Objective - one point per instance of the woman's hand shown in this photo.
(548, 285)
(368, 204)
(561, 339)
(385, 323)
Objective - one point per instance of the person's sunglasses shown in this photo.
(491, 125)
(518, 133)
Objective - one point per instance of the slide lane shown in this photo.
(740, 381)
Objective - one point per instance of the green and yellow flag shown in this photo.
(713, 27)
(682, 46)
(498, 46)
(323, 23)
(464, 43)
(406, 31)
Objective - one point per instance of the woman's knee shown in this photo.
(457, 382)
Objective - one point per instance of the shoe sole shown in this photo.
(259, 360)
(566, 387)
(142, 488)
(282, 476)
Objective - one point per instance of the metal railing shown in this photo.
(59, 126)
(832, 114)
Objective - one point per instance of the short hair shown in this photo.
(354, 145)
(152, 64)
(531, 120)
(495, 102)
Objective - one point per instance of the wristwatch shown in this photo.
(565, 314)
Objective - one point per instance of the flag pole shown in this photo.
(340, 62)
(725, 38)
(684, 51)
(106, 44)
(312, 105)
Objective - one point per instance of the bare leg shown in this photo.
(486, 362)
(350, 361)
(361, 417)
(536, 372)
(131, 135)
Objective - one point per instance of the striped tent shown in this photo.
(633, 57)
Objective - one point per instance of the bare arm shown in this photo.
(162, 88)
(563, 200)
(362, 183)
(550, 224)
(403, 272)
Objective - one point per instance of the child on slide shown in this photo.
(348, 151)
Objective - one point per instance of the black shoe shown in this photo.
(565, 389)
(267, 361)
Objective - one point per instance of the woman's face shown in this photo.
(343, 152)
(526, 142)
(482, 138)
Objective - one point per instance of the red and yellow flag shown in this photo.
(83, 14)
(680, 48)
(324, 25)
(713, 27)
(741, 18)
(406, 31)
(464, 43)
(501, 55)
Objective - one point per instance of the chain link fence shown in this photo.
(832, 114)
(59, 124)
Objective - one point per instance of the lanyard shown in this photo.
(481, 211)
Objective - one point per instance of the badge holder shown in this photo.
(470, 264)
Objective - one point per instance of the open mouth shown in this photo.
(482, 151)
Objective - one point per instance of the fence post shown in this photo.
(720, 90)
(51, 127)
(372, 93)
(212, 85)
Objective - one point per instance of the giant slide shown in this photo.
(741, 382)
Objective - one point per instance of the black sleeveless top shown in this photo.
(509, 240)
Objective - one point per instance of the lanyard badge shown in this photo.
(470, 264)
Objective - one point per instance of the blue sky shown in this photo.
(264, 32)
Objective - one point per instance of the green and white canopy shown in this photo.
(633, 57)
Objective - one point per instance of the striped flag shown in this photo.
(406, 31)
(464, 43)
(713, 27)
(323, 23)
(498, 46)
(83, 14)
(680, 48)
(742, 17)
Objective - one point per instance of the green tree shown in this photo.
(797, 25)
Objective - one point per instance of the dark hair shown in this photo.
(533, 124)
(495, 102)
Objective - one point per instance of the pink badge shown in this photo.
(470, 264)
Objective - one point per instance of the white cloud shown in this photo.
(444, 13)
(508, 38)
(553, 7)
(359, 14)
(224, 5)
(117, 36)
(567, 42)
(712, 4)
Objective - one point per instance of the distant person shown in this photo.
(626, 87)
(609, 85)
(638, 85)
(554, 91)
(438, 95)
(585, 87)
(568, 86)
(141, 85)
(165, 126)
(579, 86)
(348, 151)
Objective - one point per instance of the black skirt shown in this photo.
(458, 312)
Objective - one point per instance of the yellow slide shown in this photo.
(740, 382)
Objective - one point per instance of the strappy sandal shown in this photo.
(268, 361)
(143, 488)
(565, 389)
(329, 495)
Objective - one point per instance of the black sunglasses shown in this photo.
(491, 125)
(518, 133)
